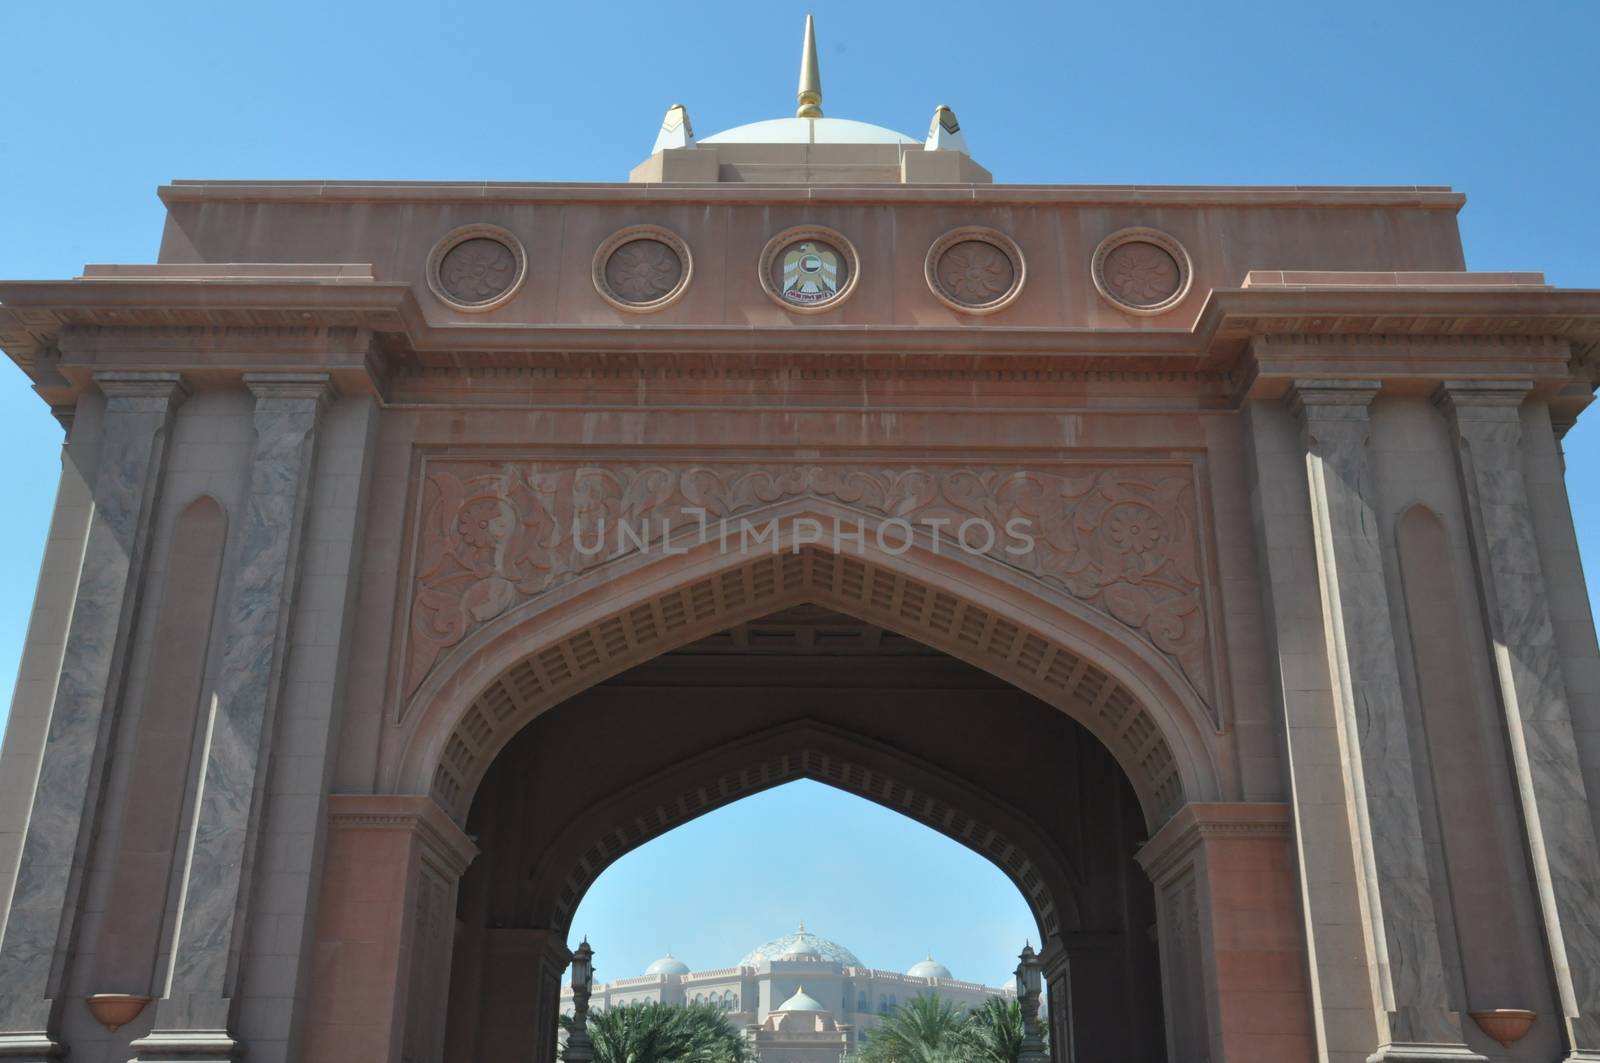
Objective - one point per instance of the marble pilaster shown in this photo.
(1558, 824)
(43, 915)
(195, 1018)
(1411, 996)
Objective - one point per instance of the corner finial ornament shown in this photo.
(810, 94)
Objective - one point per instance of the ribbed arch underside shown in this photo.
(808, 759)
(851, 584)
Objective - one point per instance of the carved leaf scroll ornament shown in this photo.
(1123, 540)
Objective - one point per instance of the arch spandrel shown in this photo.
(1129, 696)
(1124, 539)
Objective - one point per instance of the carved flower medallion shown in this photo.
(476, 267)
(1132, 528)
(975, 270)
(642, 268)
(484, 521)
(1142, 271)
(478, 270)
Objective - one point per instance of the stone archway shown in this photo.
(1089, 667)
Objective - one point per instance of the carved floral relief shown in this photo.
(477, 270)
(1142, 271)
(976, 273)
(1142, 274)
(493, 535)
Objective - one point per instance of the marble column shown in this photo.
(193, 1021)
(1410, 993)
(1557, 821)
(42, 920)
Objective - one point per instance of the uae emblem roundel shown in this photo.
(810, 273)
(808, 270)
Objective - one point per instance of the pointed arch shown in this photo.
(1126, 693)
(806, 750)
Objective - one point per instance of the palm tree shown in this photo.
(925, 1029)
(929, 1030)
(665, 1033)
(994, 1032)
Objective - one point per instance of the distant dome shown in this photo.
(801, 1002)
(668, 964)
(801, 952)
(802, 944)
(930, 968)
(809, 131)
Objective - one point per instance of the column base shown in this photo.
(1401, 1052)
(1582, 1055)
(186, 1046)
(27, 1047)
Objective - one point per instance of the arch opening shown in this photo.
(809, 692)
(875, 909)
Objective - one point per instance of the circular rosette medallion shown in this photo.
(642, 268)
(477, 267)
(975, 270)
(1142, 271)
(808, 270)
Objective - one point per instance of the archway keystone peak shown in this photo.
(453, 754)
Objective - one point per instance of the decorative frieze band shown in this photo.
(1126, 540)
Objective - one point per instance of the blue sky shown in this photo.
(100, 103)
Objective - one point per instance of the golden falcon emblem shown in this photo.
(810, 273)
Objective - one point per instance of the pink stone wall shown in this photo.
(1057, 230)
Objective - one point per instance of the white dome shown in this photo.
(930, 968)
(801, 1002)
(668, 964)
(808, 131)
(804, 944)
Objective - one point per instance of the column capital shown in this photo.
(420, 815)
(1192, 824)
(123, 384)
(1339, 399)
(1454, 396)
(305, 387)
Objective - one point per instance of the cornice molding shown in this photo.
(1436, 197)
(370, 327)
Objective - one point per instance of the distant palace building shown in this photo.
(801, 998)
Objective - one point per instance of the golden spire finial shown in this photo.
(810, 94)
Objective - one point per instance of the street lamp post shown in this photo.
(579, 1049)
(1028, 996)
